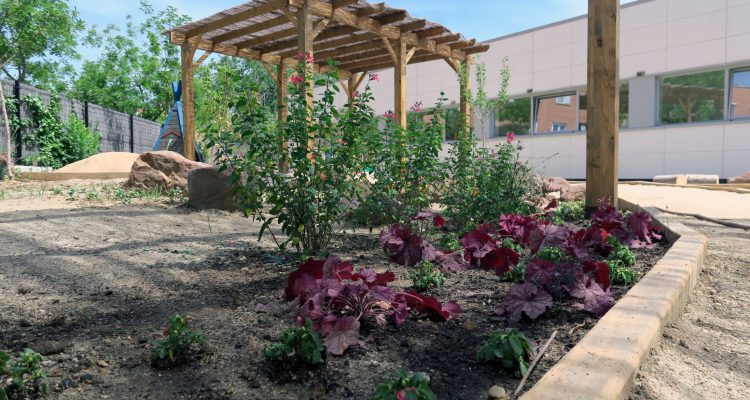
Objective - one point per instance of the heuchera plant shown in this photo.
(339, 301)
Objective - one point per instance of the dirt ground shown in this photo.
(90, 284)
(706, 354)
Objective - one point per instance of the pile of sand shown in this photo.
(114, 162)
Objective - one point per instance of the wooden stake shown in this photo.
(465, 105)
(282, 82)
(603, 103)
(188, 98)
(533, 363)
(400, 83)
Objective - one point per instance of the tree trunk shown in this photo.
(8, 154)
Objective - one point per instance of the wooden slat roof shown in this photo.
(352, 32)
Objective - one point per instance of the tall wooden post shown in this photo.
(399, 88)
(305, 39)
(465, 105)
(603, 103)
(282, 82)
(188, 99)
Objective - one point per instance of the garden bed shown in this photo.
(98, 311)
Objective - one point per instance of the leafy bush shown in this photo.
(620, 254)
(509, 348)
(552, 254)
(426, 276)
(568, 211)
(484, 184)
(300, 344)
(57, 143)
(410, 386)
(26, 375)
(339, 301)
(178, 343)
(619, 274)
(405, 167)
(321, 145)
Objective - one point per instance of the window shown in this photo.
(547, 110)
(692, 98)
(558, 126)
(624, 107)
(563, 100)
(739, 95)
(515, 116)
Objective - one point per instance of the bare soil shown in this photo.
(706, 354)
(91, 286)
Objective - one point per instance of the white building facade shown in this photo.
(685, 90)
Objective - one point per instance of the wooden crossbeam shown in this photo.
(343, 44)
(291, 17)
(234, 18)
(479, 48)
(202, 58)
(391, 51)
(319, 27)
(452, 63)
(344, 51)
(271, 71)
(224, 48)
(371, 9)
(463, 43)
(391, 18)
(434, 31)
(447, 38)
(410, 26)
(261, 26)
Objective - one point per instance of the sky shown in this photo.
(480, 19)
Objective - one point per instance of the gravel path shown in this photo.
(706, 354)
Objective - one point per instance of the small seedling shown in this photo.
(426, 276)
(176, 195)
(93, 196)
(57, 191)
(552, 254)
(412, 386)
(517, 272)
(620, 274)
(511, 244)
(178, 343)
(621, 254)
(300, 344)
(568, 211)
(510, 348)
(26, 375)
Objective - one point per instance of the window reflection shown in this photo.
(514, 116)
(739, 103)
(556, 114)
(692, 98)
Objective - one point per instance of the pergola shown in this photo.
(360, 37)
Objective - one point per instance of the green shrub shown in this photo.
(324, 157)
(621, 254)
(27, 377)
(552, 254)
(410, 386)
(568, 211)
(299, 344)
(426, 276)
(405, 166)
(509, 348)
(178, 343)
(620, 274)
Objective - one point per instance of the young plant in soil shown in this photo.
(412, 386)
(427, 276)
(27, 377)
(508, 348)
(179, 344)
(620, 261)
(297, 345)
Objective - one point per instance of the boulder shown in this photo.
(4, 166)
(556, 184)
(161, 169)
(574, 193)
(671, 179)
(742, 178)
(209, 188)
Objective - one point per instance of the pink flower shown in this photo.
(417, 107)
(390, 114)
(510, 137)
(296, 79)
(356, 93)
(299, 56)
(310, 59)
(374, 77)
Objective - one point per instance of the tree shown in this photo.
(136, 66)
(38, 40)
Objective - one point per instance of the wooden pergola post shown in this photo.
(465, 103)
(603, 103)
(399, 82)
(305, 38)
(188, 99)
(282, 80)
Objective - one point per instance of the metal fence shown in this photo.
(119, 131)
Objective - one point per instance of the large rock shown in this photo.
(556, 184)
(161, 169)
(574, 193)
(742, 178)
(4, 168)
(209, 188)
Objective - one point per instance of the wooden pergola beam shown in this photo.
(235, 18)
(603, 103)
(261, 26)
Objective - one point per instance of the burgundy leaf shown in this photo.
(431, 307)
(337, 269)
(345, 333)
(371, 278)
(540, 271)
(452, 261)
(594, 299)
(500, 260)
(599, 270)
(438, 221)
(525, 298)
(300, 280)
(477, 244)
(404, 247)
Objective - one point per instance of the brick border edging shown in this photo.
(603, 364)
